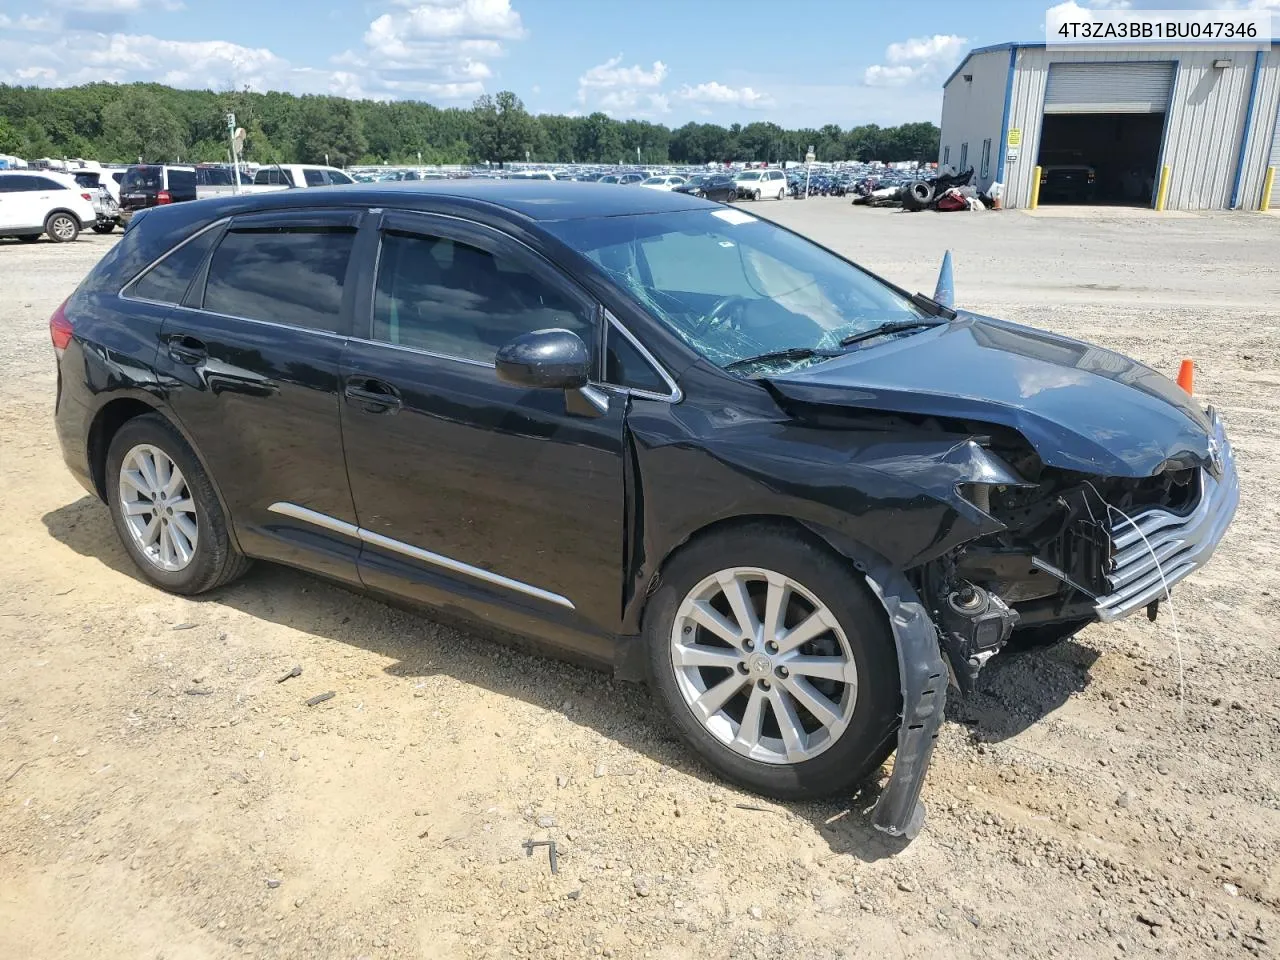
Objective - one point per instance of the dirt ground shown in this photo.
(162, 796)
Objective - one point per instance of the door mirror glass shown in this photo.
(545, 358)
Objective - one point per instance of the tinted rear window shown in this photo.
(273, 177)
(286, 275)
(315, 178)
(143, 178)
(168, 280)
(213, 177)
(182, 182)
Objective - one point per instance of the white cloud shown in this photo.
(74, 57)
(617, 90)
(723, 95)
(917, 60)
(28, 22)
(434, 48)
(610, 75)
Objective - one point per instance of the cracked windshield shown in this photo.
(738, 289)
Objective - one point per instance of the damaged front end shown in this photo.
(1068, 549)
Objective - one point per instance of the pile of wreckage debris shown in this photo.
(944, 193)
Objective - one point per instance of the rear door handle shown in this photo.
(378, 396)
(188, 350)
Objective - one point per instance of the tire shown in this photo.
(213, 560)
(103, 227)
(782, 192)
(755, 195)
(823, 759)
(62, 227)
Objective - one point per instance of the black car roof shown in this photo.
(534, 199)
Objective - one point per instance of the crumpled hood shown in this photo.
(1081, 407)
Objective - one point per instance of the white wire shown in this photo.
(1168, 596)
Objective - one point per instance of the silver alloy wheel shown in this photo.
(764, 665)
(158, 508)
(62, 227)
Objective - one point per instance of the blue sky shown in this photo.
(795, 62)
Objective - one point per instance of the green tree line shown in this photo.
(125, 122)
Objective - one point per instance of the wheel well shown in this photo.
(719, 527)
(55, 212)
(105, 425)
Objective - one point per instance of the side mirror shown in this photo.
(545, 358)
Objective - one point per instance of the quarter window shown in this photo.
(168, 280)
(290, 275)
(451, 298)
(625, 366)
(315, 178)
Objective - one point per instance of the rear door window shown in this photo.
(182, 184)
(167, 281)
(291, 275)
(142, 179)
(337, 177)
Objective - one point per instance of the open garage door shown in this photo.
(1103, 126)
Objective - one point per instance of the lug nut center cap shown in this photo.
(759, 665)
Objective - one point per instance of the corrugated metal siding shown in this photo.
(1108, 87)
(1266, 125)
(1202, 129)
(1275, 162)
(972, 111)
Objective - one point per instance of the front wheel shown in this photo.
(774, 662)
(62, 227)
(755, 194)
(165, 510)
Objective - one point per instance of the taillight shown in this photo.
(60, 330)
(163, 197)
(87, 196)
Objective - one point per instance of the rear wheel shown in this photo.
(774, 662)
(165, 510)
(782, 192)
(755, 194)
(62, 227)
(103, 227)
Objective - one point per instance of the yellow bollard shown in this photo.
(1267, 186)
(1035, 189)
(1163, 193)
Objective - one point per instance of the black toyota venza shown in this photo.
(655, 432)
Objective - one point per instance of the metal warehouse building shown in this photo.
(1103, 124)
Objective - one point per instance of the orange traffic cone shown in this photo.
(1187, 376)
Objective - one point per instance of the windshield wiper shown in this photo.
(791, 353)
(897, 326)
(932, 306)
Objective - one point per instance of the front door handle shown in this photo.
(188, 350)
(378, 396)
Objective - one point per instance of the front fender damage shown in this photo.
(923, 677)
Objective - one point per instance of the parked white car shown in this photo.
(299, 175)
(663, 183)
(760, 184)
(33, 202)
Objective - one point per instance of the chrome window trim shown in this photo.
(293, 510)
(423, 351)
(123, 295)
(676, 394)
(265, 323)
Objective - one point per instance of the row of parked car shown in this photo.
(60, 205)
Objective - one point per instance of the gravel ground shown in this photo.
(161, 795)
